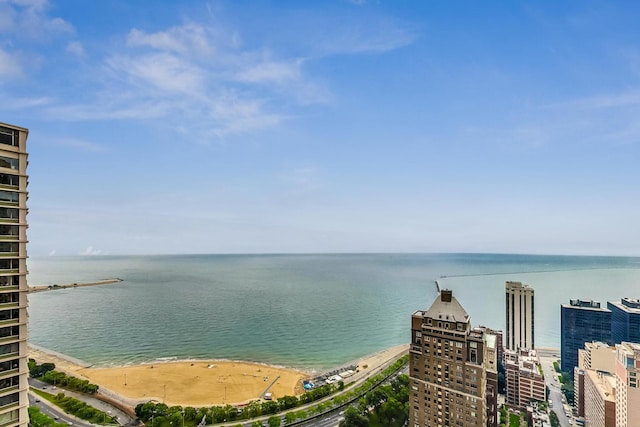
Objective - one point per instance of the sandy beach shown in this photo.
(197, 383)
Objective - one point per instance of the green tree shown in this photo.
(391, 411)
(257, 424)
(290, 417)
(274, 421)
(353, 419)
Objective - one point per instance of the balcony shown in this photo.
(10, 422)
(10, 372)
(9, 356)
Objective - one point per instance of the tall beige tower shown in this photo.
(627, 384)
(13, 276)
(448, 363)
(520, 316)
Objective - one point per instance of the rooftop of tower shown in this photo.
(447, 307)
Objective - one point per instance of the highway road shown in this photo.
(54, 412)
(123, 418)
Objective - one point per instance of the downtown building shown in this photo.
(523, 374)
(596, 357)
(625, 320)
(13, 277)
(599, 398)
(627, 385)
(519, 316)
(580, 322)
(452, 368)
(609, 393)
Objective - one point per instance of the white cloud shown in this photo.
(77, 49)
(182, 39)
(28, 18)
(203, 79)
(90, 250)
(52, 252)
(163, 71)
(9, 65)
(79, 144)
(278, 72)
(610, 100)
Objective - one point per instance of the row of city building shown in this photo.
(601, 347)
(453, 366)
(606, 388)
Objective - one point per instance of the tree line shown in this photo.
(160, 415)
(46, 372)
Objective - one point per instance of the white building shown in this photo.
(519, 316)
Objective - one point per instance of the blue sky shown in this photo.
(346, 126)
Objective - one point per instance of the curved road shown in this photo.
(123, 418)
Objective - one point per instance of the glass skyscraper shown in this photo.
(580, 322)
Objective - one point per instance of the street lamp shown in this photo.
(182, 417)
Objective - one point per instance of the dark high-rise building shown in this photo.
(625, 320)
(581, 322)
(452, 367)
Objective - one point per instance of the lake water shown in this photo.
(304, 311)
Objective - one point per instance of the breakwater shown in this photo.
(42, 288)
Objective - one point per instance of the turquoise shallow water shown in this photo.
(305, 311)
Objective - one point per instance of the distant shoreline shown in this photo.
(42, 288)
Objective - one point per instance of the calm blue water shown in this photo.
(306, 311)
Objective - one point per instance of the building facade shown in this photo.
(448, 376)
(519, 316)
(596, 356)
(525, 383)
(627, 385)
(625, 320)
(581, 322)
(13, 276)
(599, 399)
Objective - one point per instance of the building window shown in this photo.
(9, 180)
(6, 247)
(9, 213)
(8, 136)
(8, 162)
(9, 281)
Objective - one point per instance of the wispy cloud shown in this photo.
(188, 38)
(199, 77)
(80, 144)
(271, 72)
(609, 100)
(90, 250)
(30, 19)
(9, 65)
(77, 49)
(164, 71)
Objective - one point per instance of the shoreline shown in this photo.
(198, 382)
